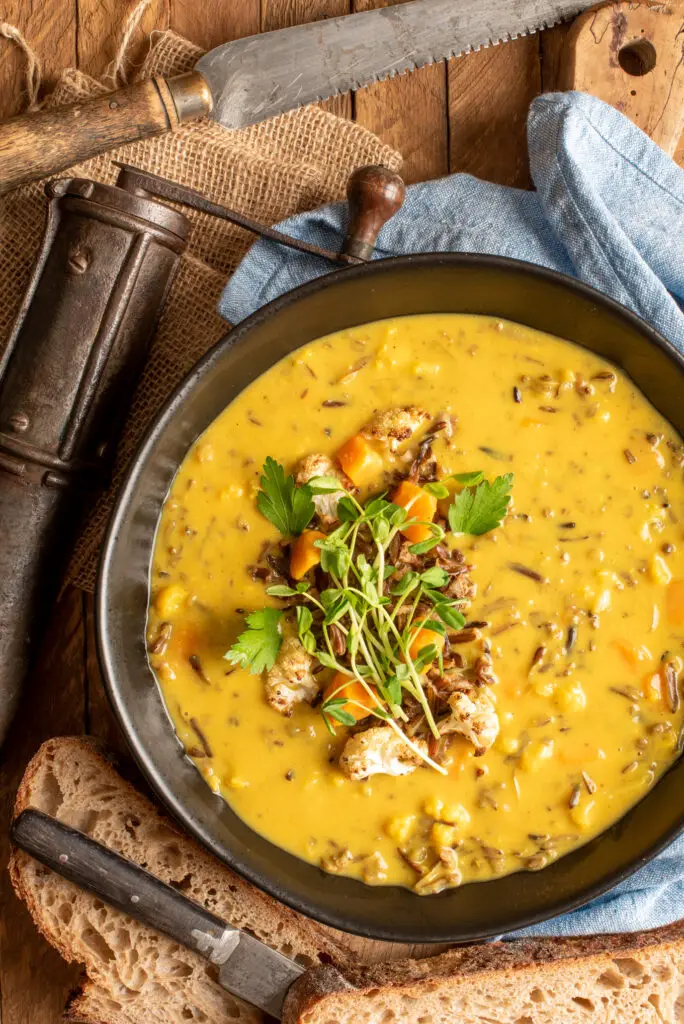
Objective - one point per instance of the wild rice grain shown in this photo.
(604, 375)
(537, 656)
(524, 570)
(197, 729)
(570, 639)
(672, 686)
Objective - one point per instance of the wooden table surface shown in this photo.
(464, 115)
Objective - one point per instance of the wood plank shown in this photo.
(50, 28)
(209, 24)
(489, 94)
(551, 45)
(101, 24)
(277, 14)
(34, 980)
(410, 113)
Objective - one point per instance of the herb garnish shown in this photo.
(375, 612)
(287, 506)
(334, 708)
(483, 509)
(257, 648)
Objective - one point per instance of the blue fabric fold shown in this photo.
(608, 209)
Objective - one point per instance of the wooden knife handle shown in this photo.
(34, 146)
(123, 884)
(374, 194)
(630, 55)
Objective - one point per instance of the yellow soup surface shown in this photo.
(580, 590)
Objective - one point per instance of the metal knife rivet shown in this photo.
(135, 899)
(113, 105)
(78, 261)
(19, 422)
(63, 858)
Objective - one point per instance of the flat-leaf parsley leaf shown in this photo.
(288, 507)
(481, 510)
(257, 648)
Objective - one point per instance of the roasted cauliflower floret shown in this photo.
(321, 465)
(394, 426)
(446, 874)
(378, 751)
(474, 716)
(290, 681)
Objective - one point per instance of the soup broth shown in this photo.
(573, 614)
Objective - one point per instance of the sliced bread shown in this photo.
(605, 979)
(134, 974)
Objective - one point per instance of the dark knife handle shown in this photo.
(123, 884)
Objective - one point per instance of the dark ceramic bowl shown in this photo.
(393, 287)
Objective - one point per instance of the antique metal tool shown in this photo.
(252, 79)
(107, 261)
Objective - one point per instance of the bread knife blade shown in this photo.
(247, 968)
(251, 79)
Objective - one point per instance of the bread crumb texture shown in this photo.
(135, 975)
(614, 979)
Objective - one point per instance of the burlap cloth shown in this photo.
(269, 171)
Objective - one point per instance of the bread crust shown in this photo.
(353, 993)
(470, 966)
(129, 823)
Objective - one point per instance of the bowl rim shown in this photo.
(133, 734)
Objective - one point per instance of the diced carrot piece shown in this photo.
(627, 653)
(458, 756)
(423, 506)
(512, 689)
(530, 421)
(304, 555)
(423, 638)
(351, 690)
(359, 460)
(580, 757)
(674, 603)
(634, 657)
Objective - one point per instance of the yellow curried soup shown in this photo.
(577, 601)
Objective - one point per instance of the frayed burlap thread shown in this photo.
(269, 171)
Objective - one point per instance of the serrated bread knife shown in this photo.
(247, 968)
(251, 79)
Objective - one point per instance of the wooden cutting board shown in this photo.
(632, 56)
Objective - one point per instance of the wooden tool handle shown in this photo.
(123, 884)
(630, 55)
(34, 146)
(374, 194)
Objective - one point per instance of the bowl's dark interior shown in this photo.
(424, 284)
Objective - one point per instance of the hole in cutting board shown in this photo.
(637, 58)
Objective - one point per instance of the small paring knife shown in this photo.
(247, 968)
(251, 79)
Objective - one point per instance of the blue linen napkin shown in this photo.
(608, 209)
